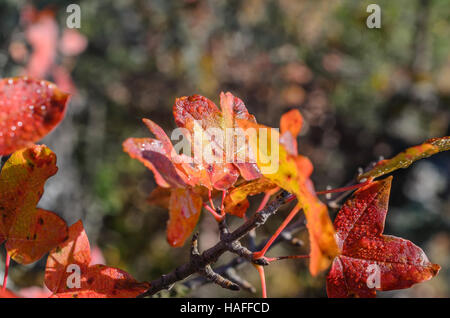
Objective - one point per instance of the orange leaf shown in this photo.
(75, 250)
(96, 281)
(160, 197)
(293, 175)
(201, 117)
(290, 126)
(30, 232)
(184, 210)
(152, 154)
(291, 121)
(236, 200)
(407, 157)
(49, 229)
(29, 109)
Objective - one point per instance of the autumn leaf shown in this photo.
(160, 197)
(173, 173)
(195, 113)
(29, 232)
(293, 175)
(184, 210)
(407, 157)
(96, 281)
(372, 261)
(236, 202)
(182, 174)
(184, 205)
(29, 109)
(290, 125)
(201, 117)
(169, 168)
(7, 294)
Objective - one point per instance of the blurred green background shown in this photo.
(364, 93)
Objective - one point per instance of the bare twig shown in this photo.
(238, 262)
(199, 263)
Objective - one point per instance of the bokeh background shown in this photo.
(364, 93)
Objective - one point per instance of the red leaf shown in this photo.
(152, 154)
(199, 115)
(160, 197)
(169, 168)
(372, 261)
(29, 109)
(96, 281)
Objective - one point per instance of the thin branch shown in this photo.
(238, 262)
(199, 262)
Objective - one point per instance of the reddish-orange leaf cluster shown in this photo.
(290, 126)
(29, 232)
(196, 115)
(199, 115)
(73, 257)
(372, 261)
(29, 109)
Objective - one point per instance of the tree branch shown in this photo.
(229, 270)
(199, 263)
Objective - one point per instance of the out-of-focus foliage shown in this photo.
(364, 93)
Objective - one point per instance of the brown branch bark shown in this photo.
(229, 242)
(229, 270)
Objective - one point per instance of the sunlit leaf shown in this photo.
(96, 281)
(30, 232)
(201, 117)
(29, 109)
(407, 157)
(290, 126)
(184, 210)
(293, 175)
(236, 200)
(372, 261)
